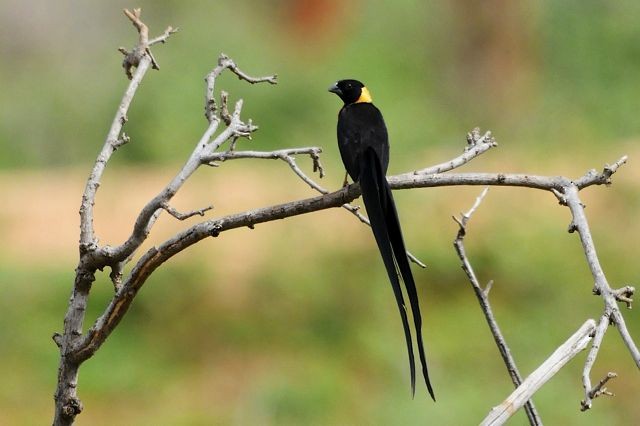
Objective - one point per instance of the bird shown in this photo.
(363, 142)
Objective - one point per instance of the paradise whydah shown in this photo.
(364, 147)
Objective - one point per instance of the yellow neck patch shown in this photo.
(365, 96)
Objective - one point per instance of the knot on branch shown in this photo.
(132, 58)
(84, 278)
(215, 229)
(122, 140)
(57, 338)
(72, 408)
(87, 247)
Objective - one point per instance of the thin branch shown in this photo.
(142, 28)
(88, 240)
(597, 391)
(604, 177)
(164, 36)
(602, 288)
(183, 216)
(598, 335)
(567, 351)
(133, 58)
(224, 62)
(624, 295)
(483, 298)
(476, 145)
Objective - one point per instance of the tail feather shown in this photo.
(400, 253)
(385, 224)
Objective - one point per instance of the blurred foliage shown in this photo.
(540, 74)
(293, 323)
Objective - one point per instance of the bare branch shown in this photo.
(609, 296)
(87, 236)
(92, 258)
(143, 30)
(598, 335)
(134, 57)
(183, 216)
(224, 62)
(568, 350)
(483, 298)
(76, 347)
(163, 38)
(624, 295)
(597, 391)
(476, 145)
(334, 199)
(603, 178)
(267, 155)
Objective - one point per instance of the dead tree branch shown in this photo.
(482, 295)
(567, 194)
(67, 403)
(568, 350)
(225, 126)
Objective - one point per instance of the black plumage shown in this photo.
(364, 147)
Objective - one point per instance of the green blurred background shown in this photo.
(294, 322)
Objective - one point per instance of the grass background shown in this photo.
(293, 322)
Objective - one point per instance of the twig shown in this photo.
(597, 391)
(568, 350)
(610, 296)
(598, 335)
(183, 216)
(603, 178)
(224, 62)
(483, 298)
(163, 38)
(133, 58)
(624, 295)
(476, 145)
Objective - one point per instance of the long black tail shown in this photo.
(383, 216)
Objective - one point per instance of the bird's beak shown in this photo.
(335, 89)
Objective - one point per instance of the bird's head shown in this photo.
(351, 91)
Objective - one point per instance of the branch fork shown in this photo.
(133, 57)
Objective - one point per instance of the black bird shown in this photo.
(364, 147)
